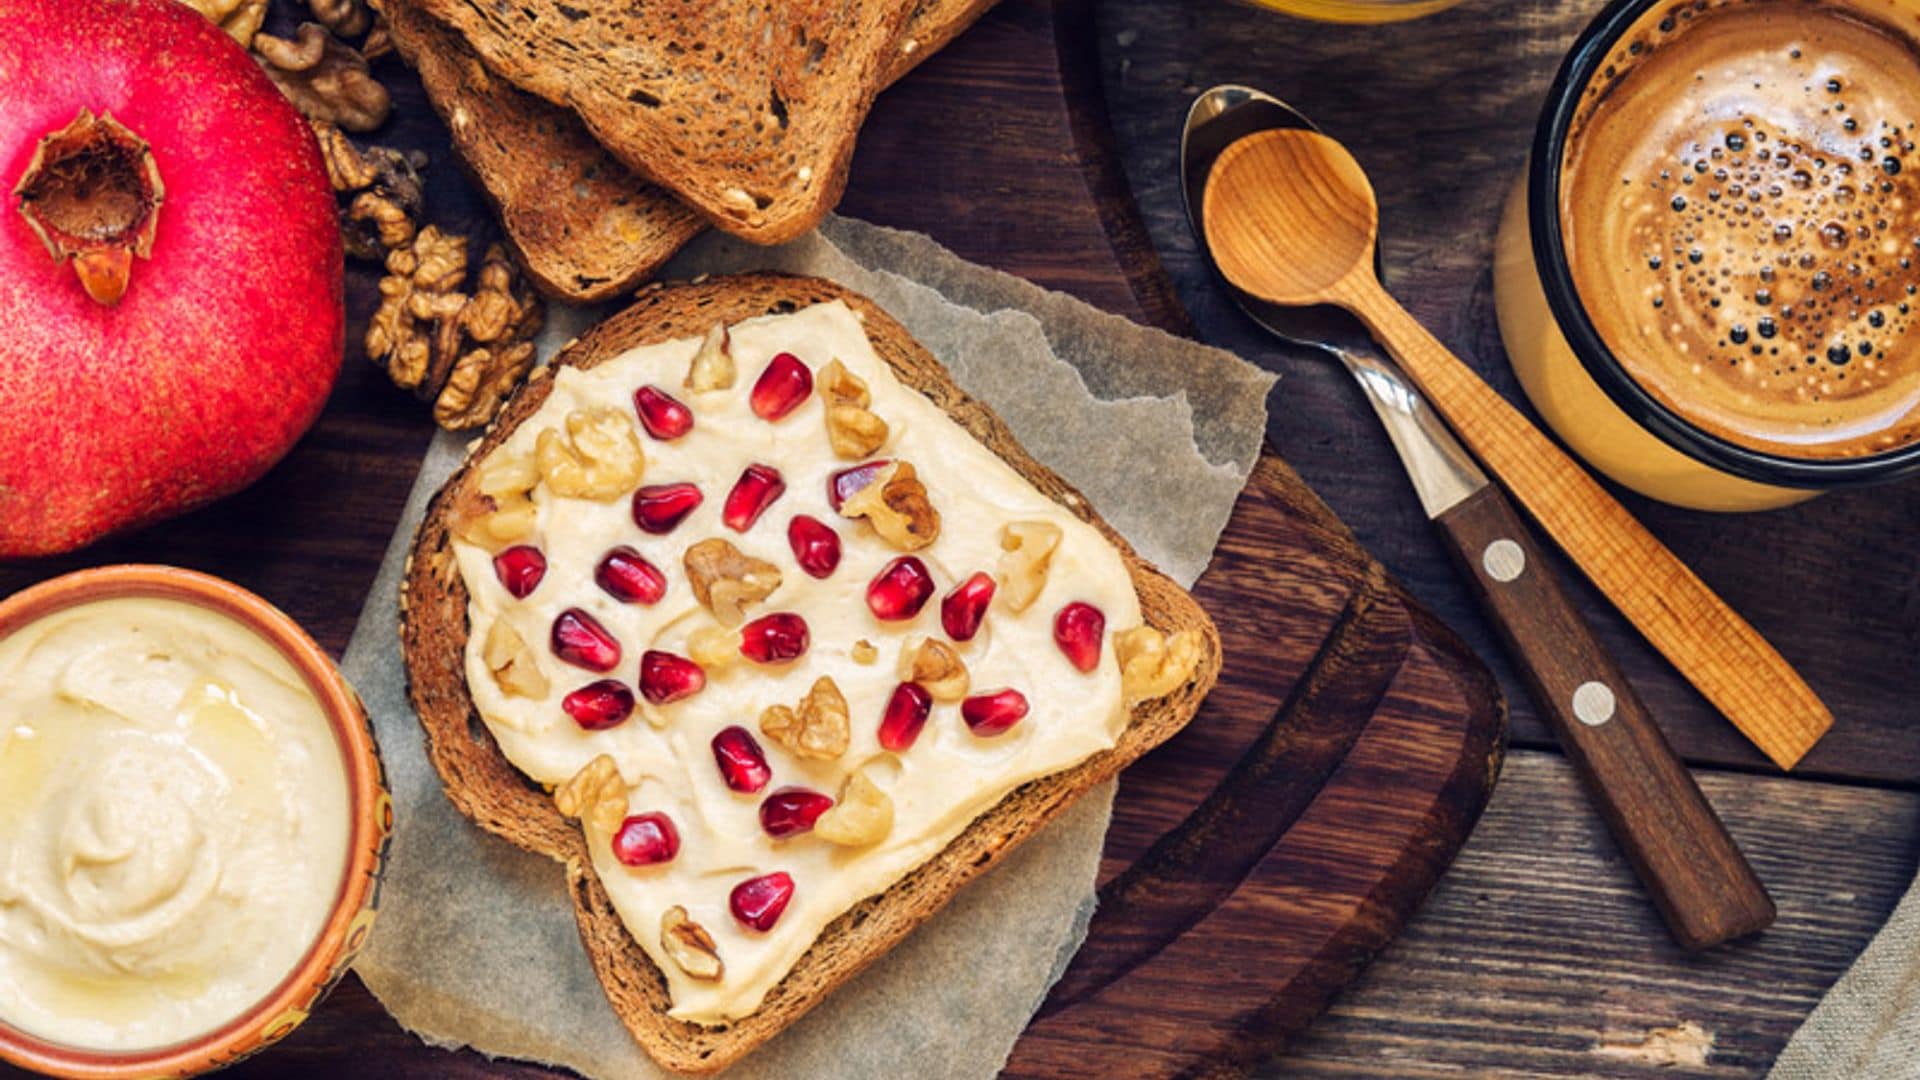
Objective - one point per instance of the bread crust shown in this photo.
(487, 788)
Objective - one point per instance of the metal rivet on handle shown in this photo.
(1593, 703)
(1504, 560)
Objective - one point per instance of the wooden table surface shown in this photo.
(1537, 955)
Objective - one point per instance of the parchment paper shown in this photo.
(475, 943)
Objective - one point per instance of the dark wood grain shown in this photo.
(1439, 112)
(1693, 871)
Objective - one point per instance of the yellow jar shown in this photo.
(1572, 378)
(1357, 11)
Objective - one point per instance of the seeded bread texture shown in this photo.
(481, 782)
(584, 226)
(746, 110)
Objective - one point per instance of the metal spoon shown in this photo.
(1695, 873)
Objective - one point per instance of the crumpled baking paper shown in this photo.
(476, 946)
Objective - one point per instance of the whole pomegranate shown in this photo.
(171, 315)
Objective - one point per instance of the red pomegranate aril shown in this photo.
(757, 488)
(646, 839)
(991, 714)
(781, 388)
(520, 569)
(627, 576)
(791, 811)
(665, 677)
(743, 765)
(846, 483)
(660, 508)
(1079, 629)
(816, 547)
(906, 714)
(580, 640)
(774, 639)
(663, 416)
(759, 901)
(963, 609)
(899, 590)
(599, 705)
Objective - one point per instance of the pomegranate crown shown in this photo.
(92, 194)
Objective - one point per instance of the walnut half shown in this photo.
(597, 795)
(598, 456)
(690, 946)
(818, 729)
(1154, 663)
(324, 77)
(726, 581)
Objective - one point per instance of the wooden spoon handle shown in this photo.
(1727, 659)
(1695, 873)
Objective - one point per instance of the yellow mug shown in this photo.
(1357, 11)
(1575, 380)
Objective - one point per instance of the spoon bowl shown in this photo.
(1302, 240)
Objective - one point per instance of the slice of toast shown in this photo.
(582, 224)
(481, 782)
(747, 111)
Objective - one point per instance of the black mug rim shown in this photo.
(1589, 50)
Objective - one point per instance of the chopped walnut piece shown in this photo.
(374, 224)
(1027, 548)
(513, 665)
(495, 511)
(712, 367)
(726, 581)
(325, 78)
(862, 816)
(384, 185)
(500, 323)
(241, 19)
(347, 18)
(818, 729)
(895, 503)
(852, 430)
(713, 647)
(419, 298)
(937, 668)
(598, 457)
(690, 946)
(597, 795)
(1153, 663)
(863, 652)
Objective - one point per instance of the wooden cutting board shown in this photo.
(1259, 859)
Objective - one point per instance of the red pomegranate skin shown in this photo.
(228, 339)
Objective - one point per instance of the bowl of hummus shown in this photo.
(192, 823)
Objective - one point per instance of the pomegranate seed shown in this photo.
(663, 417)
(743, 765)
(963, 609)
(646, 839)
(792, 810)
(816, 547)
(758, 902)
(599, 705)
(520, 570)
(659, 508)
(844, 484)
(757, 488)
(781, 388)
(900, 589)
(629, 577)
(774, 639)
(991, 714)
(1079, 630)
(580, 640)
(665, 677)
(906, 714)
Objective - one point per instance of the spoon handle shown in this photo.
(1718, 651)
(1700, 882)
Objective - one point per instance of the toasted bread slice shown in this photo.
(747, 111)
(584, 226)
(481, 782)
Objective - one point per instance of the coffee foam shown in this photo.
(1741, 209)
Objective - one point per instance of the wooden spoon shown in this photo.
(1291, 218)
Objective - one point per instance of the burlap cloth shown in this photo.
(1868, 1028)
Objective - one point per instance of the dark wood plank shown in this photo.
(1439, 111)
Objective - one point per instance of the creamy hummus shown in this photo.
(173, 823)
(937, 786)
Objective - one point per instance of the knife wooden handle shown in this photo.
(1700, 882)
(1718, 651)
